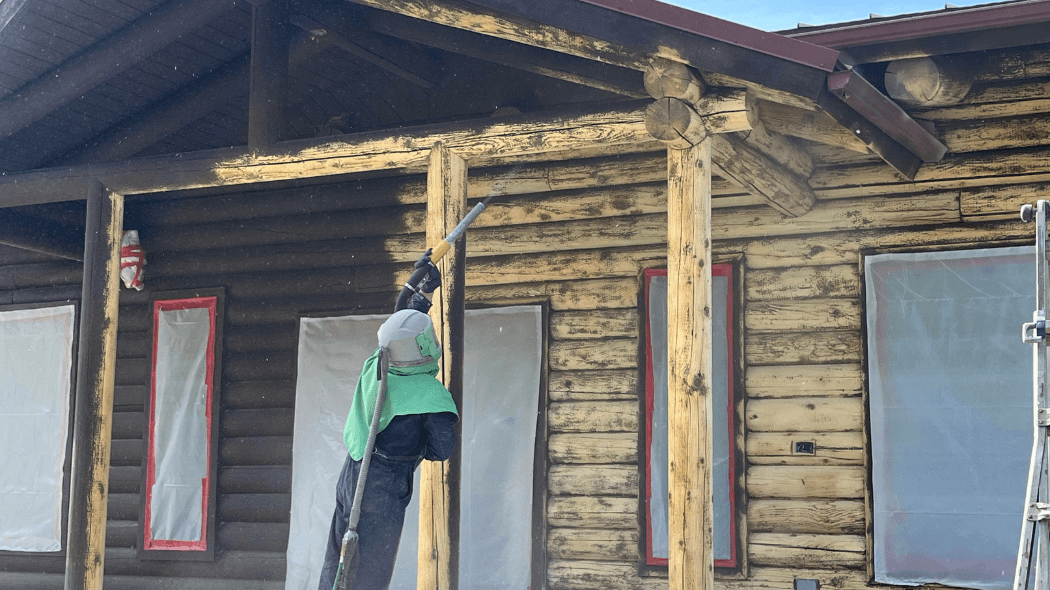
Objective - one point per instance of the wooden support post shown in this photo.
(438, 499)
(93, 414)
(269, 71)
(690, 538)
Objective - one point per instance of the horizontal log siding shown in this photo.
(575, 234)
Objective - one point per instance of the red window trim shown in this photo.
(211, 304)
(724, 270)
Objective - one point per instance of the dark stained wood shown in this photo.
(578, 70)
(893, 153)
(269, 74)
(38, 235)
(103, 61)
(94, 392)
(175, 112)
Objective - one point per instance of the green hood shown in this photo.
(409, 390)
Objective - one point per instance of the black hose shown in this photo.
(407, 291)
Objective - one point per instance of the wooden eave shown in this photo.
(952, 30)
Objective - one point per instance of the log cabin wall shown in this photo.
(577, 234)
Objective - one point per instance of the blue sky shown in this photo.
(774, 15)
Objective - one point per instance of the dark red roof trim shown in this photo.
(929, 25)
(885, 114)
(801, 52)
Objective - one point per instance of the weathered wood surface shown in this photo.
(804, 348)
(614, 323)
(807, 550)
(827, 517)
(589, 447)
(593, 385)
(805, 380)
(689, 357)
(802, 316)
(927, 81)
(841, 281)
(831, 448)
(605, 416)
(805, 414)
(438, 510)
(603, 512)
(563, 295)
(784, 190)
(806, 482)
(593, 480)
(597, 544)
(1001, 202)
(610, 353)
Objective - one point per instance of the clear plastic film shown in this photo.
(502, 367)
(720, 420)
(951, 414)
(179, 425)
(36, 359)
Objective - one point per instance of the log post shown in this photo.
(93, 410)
(438, 500)
(689, 409)
(674, 122)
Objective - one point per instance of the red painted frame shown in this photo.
(211, 304)
(723, 270)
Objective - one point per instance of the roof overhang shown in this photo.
(953, 30)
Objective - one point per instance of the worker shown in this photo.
(417, 422)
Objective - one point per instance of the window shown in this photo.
(950, 394)
(724, 450)
(179, 506)
(502, 368)
(36, 379)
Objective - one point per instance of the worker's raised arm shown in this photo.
(441, 436)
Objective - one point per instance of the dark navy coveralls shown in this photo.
(388, 490)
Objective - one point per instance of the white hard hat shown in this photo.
(409, 336)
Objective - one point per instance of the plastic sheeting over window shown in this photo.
(178, 461)
(36, 361)
(502, 363)
(951, 417)
(722, 418)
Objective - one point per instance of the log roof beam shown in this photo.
(617, 78)
(484, 142)
(173, 112)
(104, 60)
(331, 34)
(601, 34)
(763, 163)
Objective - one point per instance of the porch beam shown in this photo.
(559, 66)
(690, 540)
(761, 175)
(438, 498)
(96, 370)
(477, 142)
(172, 113)
(104, 60)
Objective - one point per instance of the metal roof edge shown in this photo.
(795, 50)
(928, 24)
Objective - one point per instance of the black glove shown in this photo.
(433, 280)
(419, 303)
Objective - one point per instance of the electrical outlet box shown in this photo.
(805, 448)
